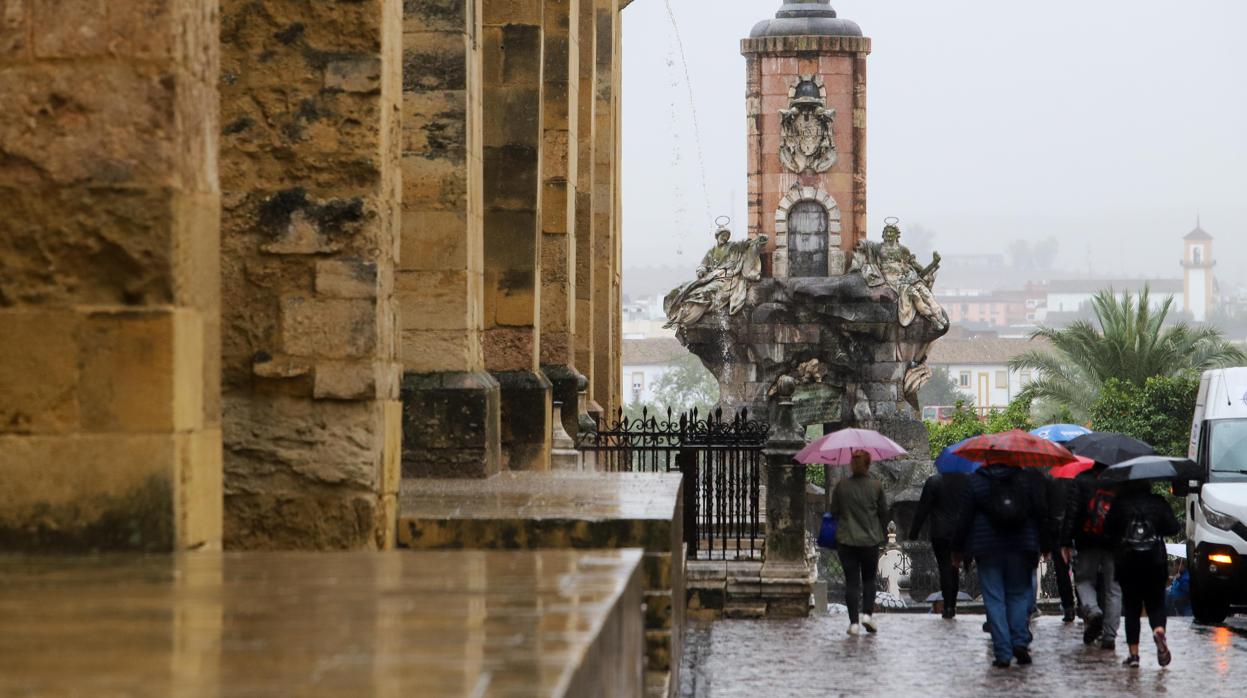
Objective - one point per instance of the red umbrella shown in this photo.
(1071, 470)
(1016, 448)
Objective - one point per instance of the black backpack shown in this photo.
(1006, 505)
(1140, 538)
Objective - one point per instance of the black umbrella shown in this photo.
(1151, 468)
(1109, 448)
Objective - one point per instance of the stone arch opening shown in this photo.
(794, 254)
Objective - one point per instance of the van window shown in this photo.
(1227, 449)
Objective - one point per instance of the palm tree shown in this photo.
(1131, 344)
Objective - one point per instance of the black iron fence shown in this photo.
(721, 460)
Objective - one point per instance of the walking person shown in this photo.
(861, 507)
(1137, 526)
(941, 504)
(1086, 544)
(1058, 494)
(1000, 529)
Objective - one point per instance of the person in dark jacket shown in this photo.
(941, 503)
(1137, 526)
(1000, 527)
(862, 508)
(1058, 495)
(1087, 508)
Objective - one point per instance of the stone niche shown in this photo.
(838, 336)
(807, 235)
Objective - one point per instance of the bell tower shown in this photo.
(806, 106)
(1197, 262)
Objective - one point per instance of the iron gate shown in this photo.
(721, 460)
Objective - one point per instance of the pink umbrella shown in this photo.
(838, 448)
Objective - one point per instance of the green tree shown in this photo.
(941, 390)
(687, 386)
(1159, 412)
(966, 423)
(1131, 343)
(962, 425)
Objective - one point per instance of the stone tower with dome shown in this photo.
(806, 111)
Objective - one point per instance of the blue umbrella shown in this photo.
(1061, 433)
(950, 462)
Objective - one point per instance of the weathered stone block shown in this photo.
(343, 380)
(432, 351)
(197, 490)
(83, 493)
(15, 29)
(330, 328)
(38, 371)
(526, 420)
(451, 425)
(141, 371)
(361, 73)
(434, 300)
(435, 15)
(70, 28)
(346, 278)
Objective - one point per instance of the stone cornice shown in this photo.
(805, 44)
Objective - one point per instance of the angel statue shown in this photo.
(892, 263)
(723, 280)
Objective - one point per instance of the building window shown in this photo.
(1197, 254)
(638, 382)
(1027, 377)
(964, 379)
(1002, 379)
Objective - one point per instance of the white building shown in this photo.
(979, 367)
(1198, 285)
(644, 362)
(1071, 296)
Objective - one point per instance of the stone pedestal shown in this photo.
(787, 577)
(451, 425)
(527, 412)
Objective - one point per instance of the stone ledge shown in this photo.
(806, 44)
(415, 623)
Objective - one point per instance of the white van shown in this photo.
(1216, 515)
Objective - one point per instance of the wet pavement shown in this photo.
(923, 655)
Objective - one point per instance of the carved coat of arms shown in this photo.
(808, 139)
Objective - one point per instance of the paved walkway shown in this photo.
(923, 655)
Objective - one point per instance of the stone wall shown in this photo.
(287, 307)
(310, 107)
(109, 223)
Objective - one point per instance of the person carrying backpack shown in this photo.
(941, 505)
(1137, 526)
(1085, 543)
(1000, 527)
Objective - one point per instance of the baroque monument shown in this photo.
(807, 295)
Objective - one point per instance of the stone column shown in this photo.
(451, 405)
(311, 186)
(787, 575)
(606, 369)
(109, 289)
(560, 163)
(513, 135)
(585, 140)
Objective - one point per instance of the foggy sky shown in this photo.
(1108, 124)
